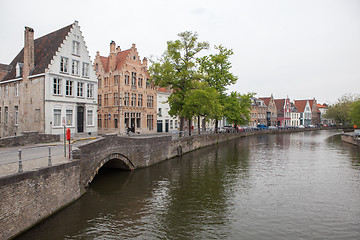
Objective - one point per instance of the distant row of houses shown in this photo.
(53, 83)
(268, 111)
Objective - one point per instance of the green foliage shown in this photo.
(237, 108)
(340, 111)
(216, 69)
(355, 113)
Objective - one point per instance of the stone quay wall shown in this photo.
(349, 138)
(28, 138)
(30, 197)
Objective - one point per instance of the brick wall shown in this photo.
(30, 197)
(28, 138)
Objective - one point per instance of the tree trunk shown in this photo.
(182, 121)
(216, 125)
(204, 125)
(189, 127)
(199, 124)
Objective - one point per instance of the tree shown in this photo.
(178, 69)
(216, 71)
(340, 111)
(202, 102)
(355, 113)
(237, 108)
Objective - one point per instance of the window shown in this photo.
(106, 81)
(76, 48)
(69, 117)
(16, 110)
(64, 64)
(6, 91)
(99, 99)
(116, 98)
(140, 100)
(99, 82)
(85, 70)
(6, 115)
(126, 99)
(126, 119)
(16, 89)
(116, 120)
(90, 90)
(138, 120)
(69, 88)
(127, 79)
(176, 123)
(106, 99)
(80, 89)
(57, 117)
(106, 120)
(150, 121)
(116, 79)
(140, 82)
(133, 79)
(133, 99)
(75, 67)
(99, 121)
(89, 118)
(171, 124)
(19, 69)
(150, 101)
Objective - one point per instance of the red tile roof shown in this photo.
(300, 105)
(280, 103)
(266, 100)
(164, 89)
(120, 60)
(45, 48)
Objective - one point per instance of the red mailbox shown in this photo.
(68, 134)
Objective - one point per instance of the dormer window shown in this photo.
(19, 69)
(76, 48)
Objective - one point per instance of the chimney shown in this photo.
(145, 62)
(112, 56)
(29, 58)
(118, 49)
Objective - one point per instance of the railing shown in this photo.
(12, 162)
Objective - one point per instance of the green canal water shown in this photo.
(285, 186)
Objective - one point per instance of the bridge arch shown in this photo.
(114, 160)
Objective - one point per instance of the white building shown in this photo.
(53, 84)
(165, 123)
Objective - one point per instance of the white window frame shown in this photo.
(76, 48)
(69, 116)
(85, 69)
(75, 67)
(57, 86)
(89, 117)
(90, 90)
(64, 65)
(16, 112)
(57, 117)
(69, 88)
(80, 89)
(16, 89)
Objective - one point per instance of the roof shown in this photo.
(120, 60)
(45, 48)
(4, 69)
(280, 103)
(266, 100)
(300, 105)
(320, 106)
(164, 90)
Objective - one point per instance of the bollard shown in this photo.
(20, 162)
(71, 154)
(49, 160)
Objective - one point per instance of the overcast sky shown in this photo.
(297, 48)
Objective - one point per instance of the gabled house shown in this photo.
(49, 84)
(165, 123)
(309, 112)
(295, 116)
(127, 100)
(271, 112)
(283, 108)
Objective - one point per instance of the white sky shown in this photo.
(296, 48)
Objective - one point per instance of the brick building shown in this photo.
(257, 112)
(125, 96)
(48, 84)
(271, 112)
(283, 108)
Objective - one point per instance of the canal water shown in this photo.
(285, 186)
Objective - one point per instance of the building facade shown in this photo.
(283, 108)
(271, 112)
(49, 84)
(295, 116)
(258, 112)
(165, 123)
(309, 112)
(127, 100)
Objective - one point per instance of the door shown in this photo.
(159, 126)
(80, 119)
(166, 125)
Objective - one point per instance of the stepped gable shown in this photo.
(266, 100)
(45, 48)
(120, 60)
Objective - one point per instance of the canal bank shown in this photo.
(23, 195)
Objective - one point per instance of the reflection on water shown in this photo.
(284, 186)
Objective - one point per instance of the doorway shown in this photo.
(80, 119)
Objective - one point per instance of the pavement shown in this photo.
(35, 156)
